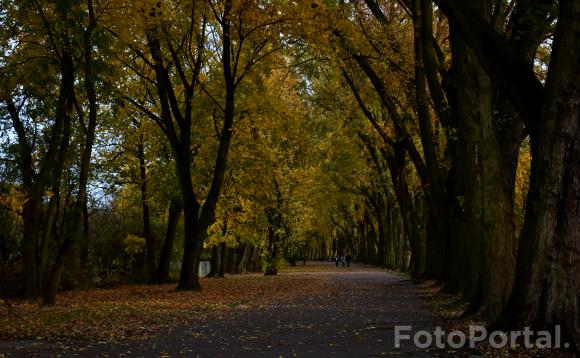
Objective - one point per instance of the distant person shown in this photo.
(348, 258)
(336, 259)
(342, 260)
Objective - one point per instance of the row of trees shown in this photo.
(435, 137)
(463, 95)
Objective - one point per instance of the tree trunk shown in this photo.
(240, 256)
(435, 189)
(215, 261)
(30, 217)
(175, 209)
(188, 278)
(203, 220)
(223, 259)
(396, 165)
(250, 258)
(481, 246)
(50, 222)
(548, 271)
(73, 230)
(381, 245)
(149, 244)
(231, 264)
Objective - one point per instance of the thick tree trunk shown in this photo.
(188, 278)
(481, 243)
(50, 291)
(547, 292)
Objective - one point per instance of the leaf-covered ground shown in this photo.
(310, 311)
(138, 311)
(448, 309)
(316, 310)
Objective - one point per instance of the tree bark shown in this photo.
(408, 212)
(240, 257)
(250, 259)
(215, 261)
(435, 189)
(223, 259)
(231, 264)
(175, 209)
(481, 245)
(188, 278)
(148, 235)
(548, 276)
(74, 228)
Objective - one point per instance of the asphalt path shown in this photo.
(353, 313)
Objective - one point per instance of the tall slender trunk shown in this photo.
(50, 290)
(231, 265)
(30, 217)
(250, 258)
(396, 165)
(240, 257)
(74, 231)
(215, 261)
(175, 209)
(223, 259)
(50, 222)
(145, 212)
(435, 189)
(35, 185)
(381, 244)
(190, 270)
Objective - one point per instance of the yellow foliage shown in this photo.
(133, 245)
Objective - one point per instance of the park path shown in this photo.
(352, 314)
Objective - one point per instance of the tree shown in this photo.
(547, 280)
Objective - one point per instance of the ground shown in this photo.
(310, 311)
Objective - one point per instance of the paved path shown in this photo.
(354, 316)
